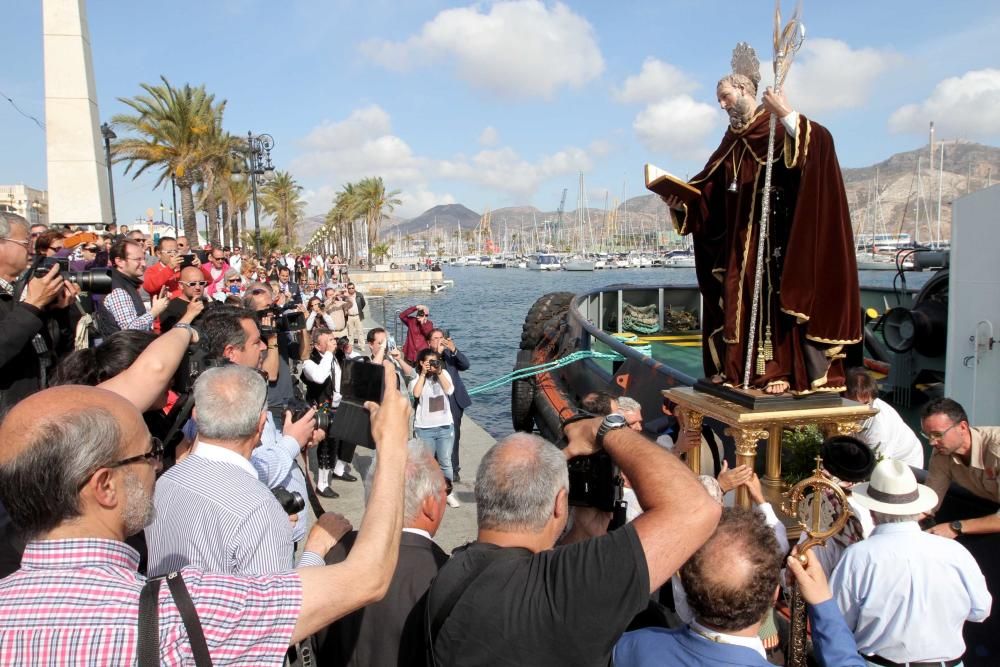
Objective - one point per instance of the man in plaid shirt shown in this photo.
(77, 472)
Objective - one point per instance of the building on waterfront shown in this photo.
(31, 204)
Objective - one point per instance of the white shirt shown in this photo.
(887, 434)
(419, 531)
(319, 372)
(830, 553)
(714, 635)
(906, 594)
(223, 455)
(425, 417)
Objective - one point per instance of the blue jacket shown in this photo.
(453, 363)
(655, 647)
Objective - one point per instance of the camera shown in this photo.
(284, 321)
(94, 281)
(299, 408)
(594, 481)
(290, 501)
(195, 361)
(435, 364)
(420, 313)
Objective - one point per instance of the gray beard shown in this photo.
(740, 115)
(139, 508)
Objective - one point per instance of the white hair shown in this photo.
(229, 400)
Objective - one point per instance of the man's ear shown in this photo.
(104, 488)
(260, 423)
(561, 508)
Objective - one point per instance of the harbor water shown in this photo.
(485, 308)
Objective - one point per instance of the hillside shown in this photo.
(967, 167)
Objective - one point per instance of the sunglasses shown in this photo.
(194, 283)
(235, 280)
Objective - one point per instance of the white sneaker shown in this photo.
(452, 501)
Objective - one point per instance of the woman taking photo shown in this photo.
(433, 423)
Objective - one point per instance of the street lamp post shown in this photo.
(173, 211)
(259, 164)
(108, 135)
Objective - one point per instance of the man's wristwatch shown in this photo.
(956, 527)
(611, 422)
(184, 325)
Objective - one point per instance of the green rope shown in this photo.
(528, 371)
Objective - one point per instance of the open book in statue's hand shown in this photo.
(667, 185)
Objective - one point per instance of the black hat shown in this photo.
(848, 458)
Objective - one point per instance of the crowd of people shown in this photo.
(174, 431)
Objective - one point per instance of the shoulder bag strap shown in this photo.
(148, 650)
(189, 615)
(433, 625)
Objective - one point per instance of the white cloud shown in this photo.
(518, 49)
(363, 145)
(828, 75)
(965, 106)
(678, 126)
(655, 82)
(489, 136)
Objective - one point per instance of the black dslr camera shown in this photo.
(299, 408)
(595, 480)
(94, 281)
(290, 501)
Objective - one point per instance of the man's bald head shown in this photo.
(52, 442)
(517, 483)
(731, 580)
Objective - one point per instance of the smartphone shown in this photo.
(447, 333)
(187, 260)
(360, 381)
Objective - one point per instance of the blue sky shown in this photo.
(494, 104)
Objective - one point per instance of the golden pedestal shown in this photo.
(748, 427)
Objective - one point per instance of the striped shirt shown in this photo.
(213, 513)
(76, 602)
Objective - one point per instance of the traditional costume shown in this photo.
(809, 305)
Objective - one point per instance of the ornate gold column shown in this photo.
(746, 454)
(692, 423)
(772, 471)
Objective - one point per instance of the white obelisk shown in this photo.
(77, 171)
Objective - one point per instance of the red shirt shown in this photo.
(76, 602)
(157, 276)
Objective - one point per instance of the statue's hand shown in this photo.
(673, 202)
(776, 103)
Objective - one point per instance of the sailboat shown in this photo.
(579, 261)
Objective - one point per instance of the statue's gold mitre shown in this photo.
(745, 62)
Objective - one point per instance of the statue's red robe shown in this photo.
(809, 294)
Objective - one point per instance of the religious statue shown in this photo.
(777, 310)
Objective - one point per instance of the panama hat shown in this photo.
(894, 490)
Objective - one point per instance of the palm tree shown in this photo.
(172, 129)
(376, 202)
(380, 251)
(237, 198)
(281, 199)
(348, 203)
(270, 239)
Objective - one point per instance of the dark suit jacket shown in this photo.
(389, 632)
(455, 362)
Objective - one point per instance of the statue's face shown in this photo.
(737, 103)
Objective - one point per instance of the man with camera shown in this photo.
(321, 375)
(511, 598)
(211, 509)
(287, 287)
(454, 362)
(123, 307)
(34, 322)
(279, 325)
(215, 271)
(167, 271)
(232, 333)
(418, 325)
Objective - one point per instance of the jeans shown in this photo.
(439, 439)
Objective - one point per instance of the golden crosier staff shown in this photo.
(787, 42)
(818, 533)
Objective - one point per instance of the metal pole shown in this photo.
(256, 214)
(173, 191)
(108, 134)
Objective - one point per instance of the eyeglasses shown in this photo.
(194, 283)
(235, 280)
(931, 437)
(26, 244)
(91, 248)
(135, 259)
(172, 251)
(154, 454)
